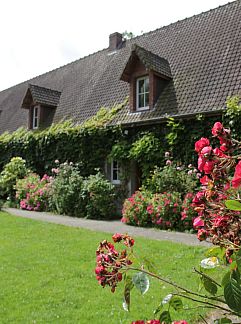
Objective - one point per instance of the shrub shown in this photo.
(99, 197)
(12, 171)
(172, 178)
(134, 210)
(32, 192)
(160, 210)
(66, 191)
(188, 211)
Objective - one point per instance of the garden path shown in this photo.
(110, 227)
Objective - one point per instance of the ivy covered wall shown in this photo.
(92, 143)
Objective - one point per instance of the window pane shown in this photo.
(147, 99)
(147, 85)
(141, 86)
(115, 175)
(141, 102)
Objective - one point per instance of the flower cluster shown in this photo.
(154, 321)
(110, 262)
(188, 213)
(214, 219)
(32, 192)
(162, 210)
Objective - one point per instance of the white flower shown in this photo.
(210, 263)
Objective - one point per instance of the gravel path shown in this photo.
(110, 227)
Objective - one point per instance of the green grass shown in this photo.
(46, 275)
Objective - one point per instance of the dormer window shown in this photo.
(142, 93)
(147, 74)
(41, 103)
(35, 117)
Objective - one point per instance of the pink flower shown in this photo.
(117, 237)
(168, 162)
(206, 151)
(237, 176)
(198, 222)
(199, 145)
(217, 129)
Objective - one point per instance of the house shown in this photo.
(180, 70)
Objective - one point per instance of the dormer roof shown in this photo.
(151, 61)
(40, 95)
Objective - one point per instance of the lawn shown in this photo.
(47, 275)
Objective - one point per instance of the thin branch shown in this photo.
(174, 284)
(206, 276)
(203, 319)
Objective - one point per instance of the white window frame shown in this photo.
(118, 169)
(144, 93)
(35, 120)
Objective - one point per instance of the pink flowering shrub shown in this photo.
(216, 220)
(188, 213)
(32, 193)
(159, 210)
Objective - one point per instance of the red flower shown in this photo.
(202, 234)
(237, 176)
(204, 180)
(217, 129)
(117, 237)
(206, 151)
(199, 145)
(208, 167)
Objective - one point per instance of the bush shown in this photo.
(172, 178)
(99, 196)
(66, 191)
(32, 192)
(12, 171)
(134, 210)
(160, 210)
(188, 212)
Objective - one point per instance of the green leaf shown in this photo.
(176, 303)
(235, 274)
(233, 204)
(223, 320)
(232, 295)
(127, 293)
(158, 309)
(226, 278)
(209, 285)
(150, 265)
(216, 251)
(165, 317)
(238, 258)
(141, 282)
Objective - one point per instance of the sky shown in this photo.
(39, 36)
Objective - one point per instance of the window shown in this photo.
(142, 93)
(35, 117)
(115, 172)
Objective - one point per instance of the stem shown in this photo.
(206, 276)
(175, 285)
(208, 303)
(203, 319)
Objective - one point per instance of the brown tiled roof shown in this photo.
(149, 60)
(203, 53)
(43, 96)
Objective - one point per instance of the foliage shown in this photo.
(175, 130)
(232, 115)
(146, 151)
(172, 177)
(66, 190)
(99, 197)
(54, 264)
(160, 210)
(73, 195)
(12, 171)
(188, 213)
(32, 193)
